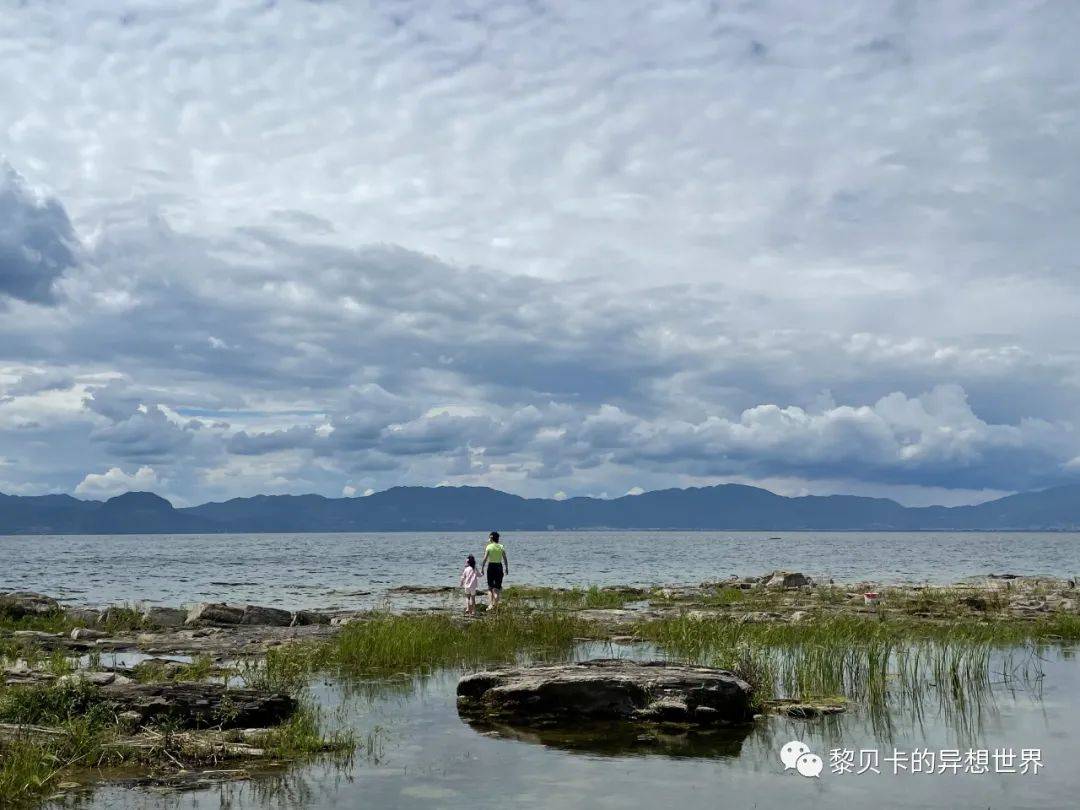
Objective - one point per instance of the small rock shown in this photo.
(130, 719)
(92, 678)
(808, 711)
(215, 613)
(798, 616)
(306, 617)
(786, 579)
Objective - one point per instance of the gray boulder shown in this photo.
(19, 604)
(273, 617)
(786, 579)
(606, 690)
(165, 616)
(215, 613)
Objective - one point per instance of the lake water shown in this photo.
(356, 570)
(427, 757)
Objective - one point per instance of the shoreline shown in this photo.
(765, 628)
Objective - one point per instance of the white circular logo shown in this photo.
(791, 752)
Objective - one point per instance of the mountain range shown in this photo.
(732, 507)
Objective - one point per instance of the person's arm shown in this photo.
(483, 563)
(506, 562)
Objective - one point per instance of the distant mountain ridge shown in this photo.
(733, 507)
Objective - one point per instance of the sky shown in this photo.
(557, 248)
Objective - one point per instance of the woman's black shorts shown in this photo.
(494, 576)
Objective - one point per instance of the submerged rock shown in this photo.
(805, 710)
(18, 604)
(606, 690)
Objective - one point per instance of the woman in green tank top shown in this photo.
(497, 564)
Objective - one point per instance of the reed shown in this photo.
(882, 664)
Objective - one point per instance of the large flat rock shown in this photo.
(606, 690)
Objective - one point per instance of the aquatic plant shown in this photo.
(882, 664)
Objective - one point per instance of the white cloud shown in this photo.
(644, 244)
(116, 482)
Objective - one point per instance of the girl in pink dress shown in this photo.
(468, 582)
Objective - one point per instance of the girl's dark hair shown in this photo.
(471, 562)
(494, 536)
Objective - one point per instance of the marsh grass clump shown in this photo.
(198, 669)
(393, 644)
(50, 704)
(54, 622)
(593, 597)
(27, 770)
(879, 662)
(285, 669)
(304, 734)
(123, 619)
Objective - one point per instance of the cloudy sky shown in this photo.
(551, 247)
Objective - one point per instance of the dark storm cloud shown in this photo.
(37, 243)
(301, 363)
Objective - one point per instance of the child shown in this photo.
(468, 582)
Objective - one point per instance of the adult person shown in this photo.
(497, 564)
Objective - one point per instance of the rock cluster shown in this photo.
(19, 604)
(220, 613)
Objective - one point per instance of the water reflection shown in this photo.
(615, 739)
(421, 755)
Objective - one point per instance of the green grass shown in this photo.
(568, 598)
(84, 732)
(55, 622)
(27, 770)
(199, 669)
(877, 661)
(391, 644)
(304, 734)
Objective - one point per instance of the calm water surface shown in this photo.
(427, 757)
(355, 570)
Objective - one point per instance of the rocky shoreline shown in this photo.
(220, 629)
(177, 667)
